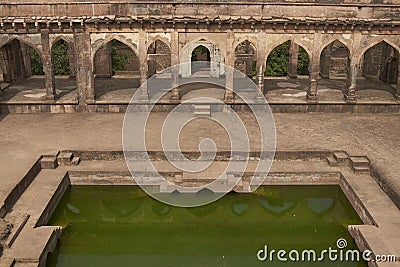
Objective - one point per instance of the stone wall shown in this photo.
(293, 8)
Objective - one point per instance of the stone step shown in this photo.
(75, 161)
(341, 157)
(68, 159)
(16, 230)
(361, 169)
(202, 110)
(373, 239)
(49, 162)
(359, 162)
(332, 161)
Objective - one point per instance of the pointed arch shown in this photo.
(217, 56)
(246, 58)
(158, 56)
(111, 37)
(22, 40)
(335, 59)
(66, 39)
(205, 39)
(340, 40)
(20, 59)
(287, 58)
(158, 38)
(376, 42)
(381, 62)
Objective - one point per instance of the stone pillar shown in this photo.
(48, 66)
(352, 72)
(143, 64)
(261, 60)
(230, 64)
(397, 93)
(13, 57)
(72, 59)
(350, 93)
(175, 96)
(26, 60)
(7, 64)
(216, 58)
(312, 92)
(326, 62)
(103, 61)
(84, 68)
(249, 66)
(293, 60)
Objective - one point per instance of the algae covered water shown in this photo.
(123, 226)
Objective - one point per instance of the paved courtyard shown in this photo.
(120, 89)
(23, 137)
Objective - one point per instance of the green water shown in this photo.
(122, 226)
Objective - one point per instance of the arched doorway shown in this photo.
(381, 62)
(22, 73)
(334, 69)
(379, 71)
(201, 51)
(158, 57)
(201, 61)
(116, 69)
(335, 61)
(245, 58)
(287, 59)
(62, 53)
(286, 73)
(60, 58)
(18, 61)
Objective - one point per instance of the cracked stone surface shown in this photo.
(23, 137)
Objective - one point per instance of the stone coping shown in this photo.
(117, 107)
(222, 2)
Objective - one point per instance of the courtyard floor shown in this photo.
(24, 137)
(120, 89)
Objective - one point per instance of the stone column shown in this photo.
(27, 68)
(326, 62)
(143, 64)
(72, 59)
(397, 93)
(312, 92)
(174, 64)
(103, 62)
(261, 61)
(48, 66)
(352, 72)
(230, 64)
(293, 60)
(84, 68)
(249, 66)
(6, 63)
(16, 61)
(350, 93)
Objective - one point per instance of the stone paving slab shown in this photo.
(283, 90)
(23, 137)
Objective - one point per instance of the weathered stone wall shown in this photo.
(293, 8)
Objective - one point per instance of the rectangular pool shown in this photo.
(123, 226)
